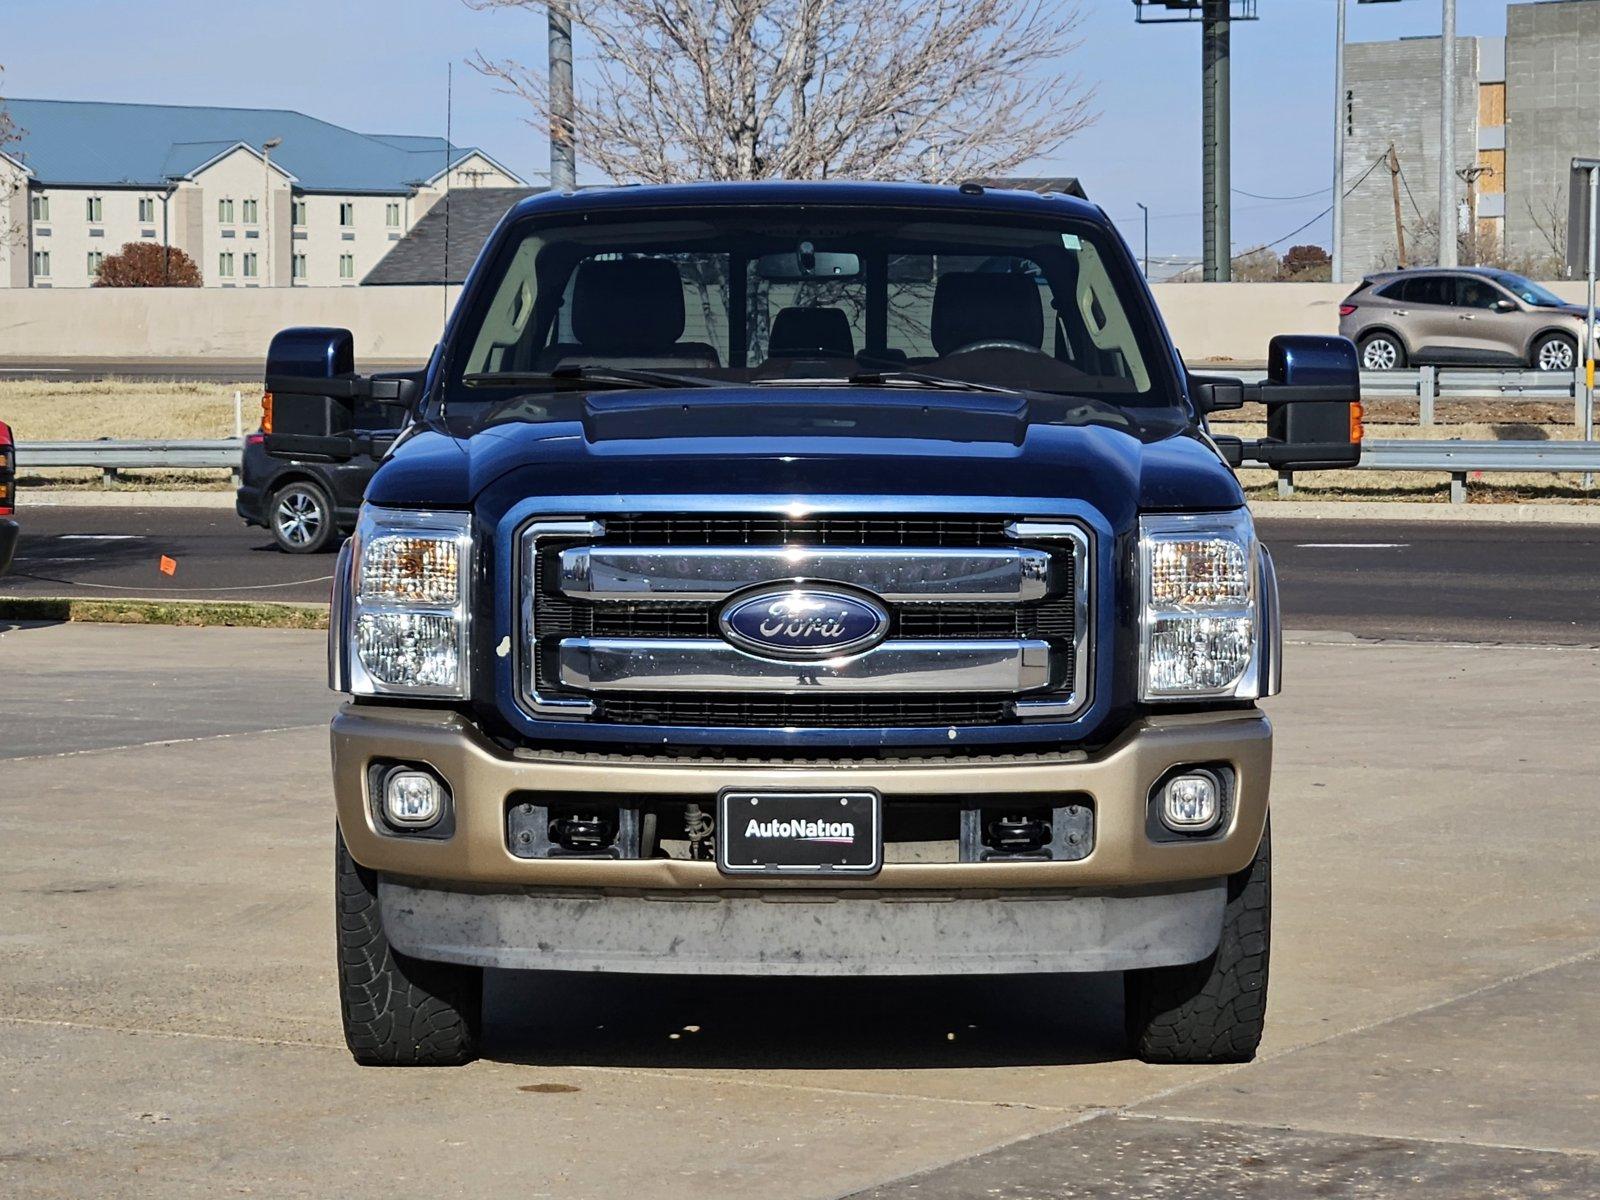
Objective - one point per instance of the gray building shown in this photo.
(1552, 117)
(1527, 104)
(1392, 102)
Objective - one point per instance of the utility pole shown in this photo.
(267, 147)
(563, 154)
(1399, 221)
(1338, 145)
(1146, 213)
(1447, 138)
(1217, 153)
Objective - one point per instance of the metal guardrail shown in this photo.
(111, 456)
(1429, 385)
(1459, 459)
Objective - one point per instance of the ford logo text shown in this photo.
(802, 622)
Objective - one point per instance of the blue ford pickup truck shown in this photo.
(801, 579)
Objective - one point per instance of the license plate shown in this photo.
(799, 833)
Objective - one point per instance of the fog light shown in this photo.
(413, 799)
(1191, 803)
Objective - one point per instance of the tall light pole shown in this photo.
(563, 152)
(1447, 138)
(1216, 137)
(1339, 103)
(267, 147)
(1146, 213)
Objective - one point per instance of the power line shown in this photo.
(1277, 241)
(1321, 191)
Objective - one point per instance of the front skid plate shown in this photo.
(806, 934)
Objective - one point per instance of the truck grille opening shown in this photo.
(830, 712)
(672, 530)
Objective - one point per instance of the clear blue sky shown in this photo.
(379, 66)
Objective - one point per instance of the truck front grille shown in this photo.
(832, 712)
(1019, 655)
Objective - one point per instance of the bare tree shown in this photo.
(11, 179)
(1549, 217)
(938, 90)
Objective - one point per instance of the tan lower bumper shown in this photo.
(481, 777)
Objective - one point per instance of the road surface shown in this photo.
(1434, 581)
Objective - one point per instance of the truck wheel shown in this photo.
(1554, 352)
(301, 518)
(1211, 1011)
(398, 1011)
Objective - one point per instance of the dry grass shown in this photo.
(39, 410)
(255, 614)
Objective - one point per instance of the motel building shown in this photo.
(257, 197)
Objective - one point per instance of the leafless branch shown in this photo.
(938, 90)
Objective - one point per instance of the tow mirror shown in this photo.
(1312, 394)
(312, 393)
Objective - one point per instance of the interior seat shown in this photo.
(628, 313)
(981, 306)
(811, 333)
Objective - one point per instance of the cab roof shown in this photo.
(787, 193)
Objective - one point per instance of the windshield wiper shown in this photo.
(578, 377)
(916, 379)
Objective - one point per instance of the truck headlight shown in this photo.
(1202, 632)
(407, 604)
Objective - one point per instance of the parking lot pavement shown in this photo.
(170, 1023)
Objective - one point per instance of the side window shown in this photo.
(1431, 289)
(1477, 293)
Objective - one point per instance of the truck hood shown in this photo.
(799, 443)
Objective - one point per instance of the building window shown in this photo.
(297, 210)
(297, 267)
(93, 209)
(96, 258)
(225, 211)
(225, 265)
(147, 209)
(41, 208)
(347, 213)
(250, 212)
(391, 215)
(249, 266)
(41, 262)
(347, 266)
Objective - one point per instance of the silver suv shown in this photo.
(1473, 316)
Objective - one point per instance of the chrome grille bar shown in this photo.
(928, 574)
(683, 665)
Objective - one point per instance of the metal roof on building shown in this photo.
(87, 143)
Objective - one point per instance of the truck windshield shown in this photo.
(815, 296)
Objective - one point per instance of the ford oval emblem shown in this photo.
(803, 622)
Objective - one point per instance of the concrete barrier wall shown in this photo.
(1219, 321)
(388, 323)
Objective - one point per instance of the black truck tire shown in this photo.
(398, 1011)
(1212, 1011)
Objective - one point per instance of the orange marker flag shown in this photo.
(169, 566)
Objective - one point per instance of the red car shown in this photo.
(8, 496)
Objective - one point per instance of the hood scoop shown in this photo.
(805, 413)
